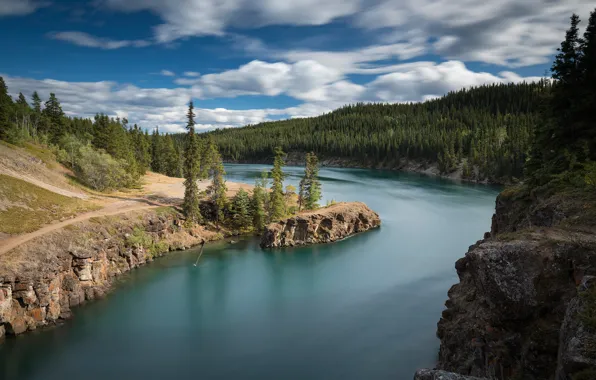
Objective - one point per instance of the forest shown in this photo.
(485, 131)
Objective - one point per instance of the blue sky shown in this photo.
(244, 61)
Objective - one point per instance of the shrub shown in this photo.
(100, 171)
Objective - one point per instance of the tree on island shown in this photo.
(310, 186)
(277, 204)
(191, 171)
(217, 190)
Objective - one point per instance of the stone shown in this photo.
(324, 225)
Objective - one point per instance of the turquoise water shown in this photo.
(363, 308)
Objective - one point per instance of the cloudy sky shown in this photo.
(246, 61)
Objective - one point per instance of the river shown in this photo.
(362, 308)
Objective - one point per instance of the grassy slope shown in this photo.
(25, 207)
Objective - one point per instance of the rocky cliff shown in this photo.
(41, 280)
(525, 306)
(324, 225)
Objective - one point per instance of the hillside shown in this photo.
(483, 133)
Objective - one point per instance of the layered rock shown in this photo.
(42, 280)
(324, 225)
(516, 312)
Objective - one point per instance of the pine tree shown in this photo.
(191, 193)
(157, 164)
(304, 183)
(276, 198)
(36, 102)
(5, 109)
(241, 210)
(217, 189)
(314, 186)
(258, 203)
(54, 114)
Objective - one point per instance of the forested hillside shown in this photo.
(487, 131)
(104, 152)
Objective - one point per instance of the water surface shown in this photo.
(362, 308)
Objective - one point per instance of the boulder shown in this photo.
(430, 374)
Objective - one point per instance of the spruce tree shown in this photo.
(258, 203)
(191, 193)
(276, 197)
(241, 210)
(314, 185)
(157, 162)
(5, 109)
(54, 114)
(36, 102)
(217, 189)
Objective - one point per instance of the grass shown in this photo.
(43, 153)
(25, 207)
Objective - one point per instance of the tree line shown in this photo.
(486, 131)
(564, 149)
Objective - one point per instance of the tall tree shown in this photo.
(258, 203)
(314, 186)
(191, 193)
(5, 109)
(54, 114)
(276, 198)
(217, 189)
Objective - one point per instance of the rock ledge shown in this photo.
(324, 225)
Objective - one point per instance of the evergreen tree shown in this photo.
(258, 203)
(310, 186)
(313, 189)
(191, 194)
(240, 210)
(157, 164)
(217, 189)
(54, 114)
(5, 109)
(36, 102)
(276, 197)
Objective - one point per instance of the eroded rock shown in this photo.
(325, 225)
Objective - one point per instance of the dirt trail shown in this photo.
(159, 190)
(111, 209)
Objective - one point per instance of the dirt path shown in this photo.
(114, 208)
(159, 190)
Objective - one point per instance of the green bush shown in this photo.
(100, 171)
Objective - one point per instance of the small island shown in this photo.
(324, 225)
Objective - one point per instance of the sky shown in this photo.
(247, 61)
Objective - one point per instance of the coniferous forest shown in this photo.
(485, 131)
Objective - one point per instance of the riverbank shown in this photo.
(41, 280)
(410, 166)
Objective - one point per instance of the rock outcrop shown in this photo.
(518, 311)
(43, 279)
(324, 225)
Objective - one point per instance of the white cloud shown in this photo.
(167, 73)
(510, 33)
(19, 7)
(212, 17)
(191, 74)
(87, 40)
(300, 80)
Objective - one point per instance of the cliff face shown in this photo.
(325, 225)
(41, 280)
(519, 310)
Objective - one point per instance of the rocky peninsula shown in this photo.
(324, 225)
